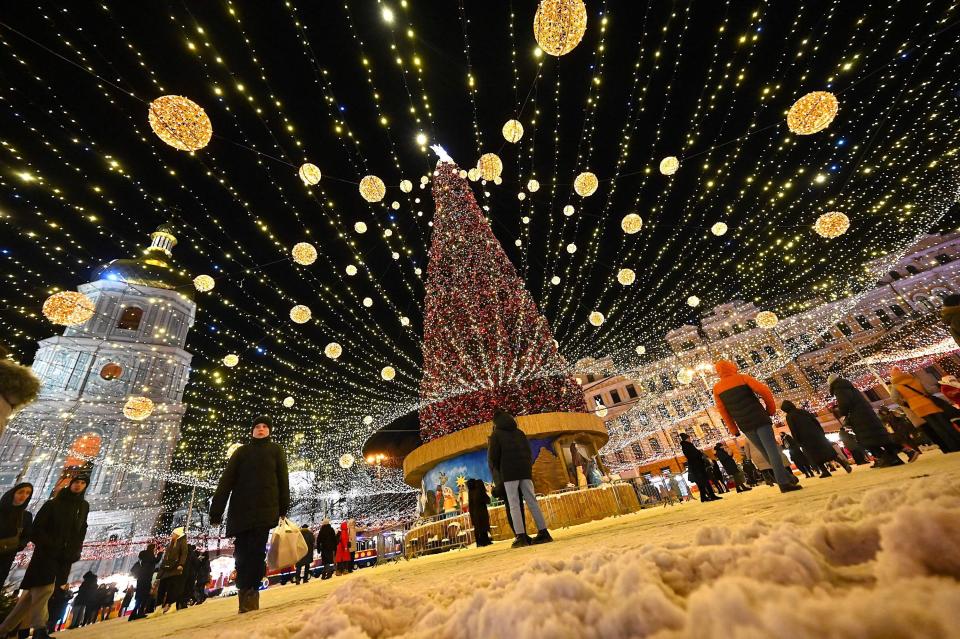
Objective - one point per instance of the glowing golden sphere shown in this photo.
(367, 420)
(559, 25)
(204, 283)
(300, 314)
(231, 360)
(180, 122)
(685, 375)
(693, 301)
(626, 276)
(586, 184)
(831, 225)
(568, 210)
(718, 229)
(767, 319)
(596, 318)
(473, 174)
(406, 186)
(641, 349)
(288, 402)
(812, 113)
(351, 270)
(533, 186)
(388, 373)
(304, 253)
(490, 166)
(333, 350)
(512, 131)
(601, 411)
(571, 248)
(138, 408)
(309, 173)
(669, 165)
(360, 227)
(631, 223)
(346, 460)
(372, 188)
(68, 308)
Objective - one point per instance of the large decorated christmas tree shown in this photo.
(485, 344)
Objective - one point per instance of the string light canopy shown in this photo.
(372, 188)
(559, 25)
(812, 113)
(180, 122)
(832, 225)
(310, 174)
(68, 308)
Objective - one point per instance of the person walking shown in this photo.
(327, 543)
(57, 535)
(730, 465)
(57, 607)
(343, 549)
(143, 570)
(797, 455)
(352, 542)
(509, 452)
(202, 576)
(107, 599)
(307, 559)
(128, 593)
(905, 387)
(902, 432)
(747, 405)
(257, 484)
(950, 314)
(170, 574)
(697, 469)
(716, 474)
(85, 600)
(855, 408)
(805, 428)
(15, 522)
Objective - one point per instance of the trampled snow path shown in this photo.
(875, 554)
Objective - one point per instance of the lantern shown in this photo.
(309, 173)
(180, 122)
(138, 408)
(812, 113)
(68, 308)
(300, 314)
(372, 188)
(559, 25)
(669, 165)
(388, 373)
(631, 223)
(231, 360)
(203, 283)
(767, 319)
(490, 166)
(333, 350)
(596, 318)
(831, 225)
(626, 276)
(304, 253)
(512, 131)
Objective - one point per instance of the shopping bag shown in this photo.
(287, 545)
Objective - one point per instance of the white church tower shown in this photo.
(133, 346)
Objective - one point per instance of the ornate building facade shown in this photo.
(133, 346)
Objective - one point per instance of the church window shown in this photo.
(130, 318)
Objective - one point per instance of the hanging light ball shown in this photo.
(693, 301)
(360, 227)
(601, 411)
(596, 318)
(512, 131)
(372, 188)
(521, 196)
(490, 166)
(288, 402)
(180, 122)
(231, 360)
(669, 165)
(367, 420)
(812, 113)
(368, 302)
(571, 248)
(309, 173)
(395, 205)
(138, 408)
(300, 314)
(473, 174)
(559, 25)
(641, 350)
(631, 223)
(304, 253)
(404, 321)
(767, 319)
(685, 375)
(718, 229)
(351, 270)
(388, 373)
(203, 283)
(555, 280)
(568, 210)
(68, 308)
(406, 186)
(498, 180)
(533, 186)
(586, 184)
(626, 276)
(333, 350)
(346, 461)
(831, 225)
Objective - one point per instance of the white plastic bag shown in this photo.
(287, 545)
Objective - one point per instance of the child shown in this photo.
(477, 503)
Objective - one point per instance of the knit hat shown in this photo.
(83, 478)
(831, 378)
(262, 419)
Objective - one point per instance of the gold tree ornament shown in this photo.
(626, 276)
(351, 270)
(138, 408)
(512, 131)
(669, 165)
(718, 229)
(346, 461)
(388, 373)
(288, 402)
(767, 319)
(586, 184)
(333, 350)
(309, 173)
(559, 25)
(68, 308)
(304, 253)
(406, 186)
(831, 225)
(360, 227)
(204, 283)
(812, 113)
(231, 360)
(300, 314)
(631, 223)
(596, 318)
(372, 188)
(180, 122)
(490, 166)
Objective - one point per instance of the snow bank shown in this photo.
(884, 564)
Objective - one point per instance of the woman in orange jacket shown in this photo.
(904, 387)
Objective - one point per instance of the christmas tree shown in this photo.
(485, 344)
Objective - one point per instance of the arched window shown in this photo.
(130, 318)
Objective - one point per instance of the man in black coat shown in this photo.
(730, 465)
(860, 416)
(85, 601)
(256, 482)
(146, 565)
(307, 559)
(806, 429)
(57, 536)
(509, 453)
(327, 544)
(697, 468)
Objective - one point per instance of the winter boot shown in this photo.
(254, 599)
(520, 541)
(244, 600)
(789, 488)
(543, 537)
(826, 473)
(912, 456)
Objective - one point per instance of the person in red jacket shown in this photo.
(746, 405)
(342, 557)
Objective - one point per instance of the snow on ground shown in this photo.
(874, 554)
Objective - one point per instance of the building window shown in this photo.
(884, 318)
(769, 350)
(651, 386)
(828, 337)
(655, 445)
(723, 333)
(943, 258)
(130, 318)
(925, 302)
(791, 382)
(814, 375)
(791, 344)
(774, 385)
(755, 356)
(665, 382)
(741, 363)
(894, 275)
(678, 407)
(637, 451)
(615, 396)
(898, 310)
(591, 378)
(864, 322)
(687, 346)
(846, 330)
(632, 391)
(598, 400)
(912, 269)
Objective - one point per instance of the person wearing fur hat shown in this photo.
(855, 408)
(327, 543)
(15, 521)
(907, 389)
(950, 387)
(57, 535)
(170, 576)
(257, 484)
(950, 314)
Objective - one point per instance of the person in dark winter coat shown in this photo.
(903, 434)
(57, 607)
(796, 455)
(849, 440)
(57, 535)
(128, 593)
(15, 522)
(146, 565)
(85, 601)
(809, 435)
(730, 465)
(747, 405)
(479, 517)
(202, 576)
(509, 452)
(107, 596)
(257, 484)
(327, 543)
(716, 475)
(187, 590)
(343, 549)
(950, 314)
(697, 468)
(307, 559)
(170, 574)
(853, 406)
